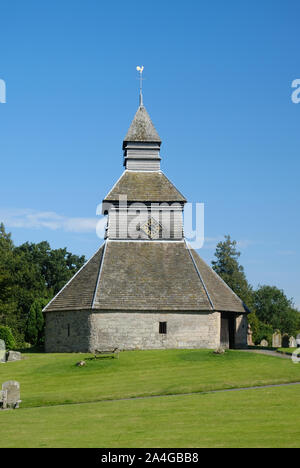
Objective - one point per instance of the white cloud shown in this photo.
(31, 219)
(286, 252)
(210, 243)
(243, 244)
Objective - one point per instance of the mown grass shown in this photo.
(53, 379)
(287, 350)
(247, 418)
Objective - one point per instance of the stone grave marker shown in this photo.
(292, 342)
(277, 340)
(12, 387)
(3, 399)
(285, 341)
(2, 351)
(14, 356)
(250, 336)
(264, 343)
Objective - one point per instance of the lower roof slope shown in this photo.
(221, 295)
(149, 276)
(79, 292)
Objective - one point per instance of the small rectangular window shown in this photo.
(163, 328)
(68, 329)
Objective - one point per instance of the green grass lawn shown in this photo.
(180, 421)
(287, 350)
(49, 379)
(248, 418)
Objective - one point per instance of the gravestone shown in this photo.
(277, 340)
(3, 399)
(14, 356)
(292, 342)
(285, 341)
(250, 336)
(298, 341)
(12, 387)
(264, 343)
(2, 351)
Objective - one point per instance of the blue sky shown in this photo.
(217, 85)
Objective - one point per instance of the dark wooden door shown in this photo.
(228, 331)
(231, 324)
(224, 333)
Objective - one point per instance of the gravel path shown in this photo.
(267, 353)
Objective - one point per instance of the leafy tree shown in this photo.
(274, 308)
(264, 332)
(5, 238)
(34, 331)
(255, 324)
(270, 308)
(228, 267)
(28, 273)
(7, 336)
(55, 266)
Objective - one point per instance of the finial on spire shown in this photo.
(140, 70)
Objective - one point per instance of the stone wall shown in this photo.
(241, 331)
(84, 331)
(67, 332)
(140, 330)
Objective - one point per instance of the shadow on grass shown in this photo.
(204, 357)
(33, 349)
(263, 348)
(229, 355)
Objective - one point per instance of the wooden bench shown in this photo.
(108, 353)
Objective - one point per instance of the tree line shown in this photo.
(270, 308)
(32, 274)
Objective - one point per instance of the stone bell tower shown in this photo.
(143, 204)
(144, 288)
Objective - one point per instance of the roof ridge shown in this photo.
(71, 279)
(99, 274)
(218, 279)
(200, 276)
(228, 287)
(171, 183)
(115, 184)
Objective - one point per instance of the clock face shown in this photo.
(152, 228)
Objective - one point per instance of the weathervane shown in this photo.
(140, 70)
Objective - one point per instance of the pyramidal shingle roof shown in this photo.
(132, 276)
(145, 187)
(142, 128)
